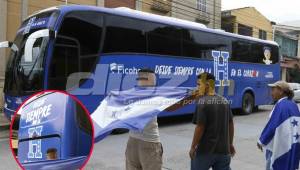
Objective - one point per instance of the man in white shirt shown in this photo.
(144, 150)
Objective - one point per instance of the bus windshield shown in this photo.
(26, 77)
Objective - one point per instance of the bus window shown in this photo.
(253, 52)
(241, 51)
(199, 44)
(164, 40)
(256, 52)
(77, 47)
(64, 62)
(275, 54)
(124, 35)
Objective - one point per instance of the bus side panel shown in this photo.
(177, 71)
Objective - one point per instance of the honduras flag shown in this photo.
(281, 136)
(134, 108)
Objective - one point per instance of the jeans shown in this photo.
(214, 161)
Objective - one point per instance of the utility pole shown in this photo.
(24, 9)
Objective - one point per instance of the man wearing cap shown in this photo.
(144, 150)
(280, 139)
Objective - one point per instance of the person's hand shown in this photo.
(192, 152)
(259, 146)
(232, 151)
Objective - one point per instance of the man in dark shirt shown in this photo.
(212, 145)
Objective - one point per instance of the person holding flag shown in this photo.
(144, 150)
(280, 139)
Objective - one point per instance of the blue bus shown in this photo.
(54, 132)
(89, 51)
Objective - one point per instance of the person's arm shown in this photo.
(199, 130)
(196, 94)
(231, 136)
(183, 102)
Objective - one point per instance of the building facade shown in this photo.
(288, 38)
(247, 21)
(207, 12)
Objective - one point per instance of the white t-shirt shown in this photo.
(149, 134)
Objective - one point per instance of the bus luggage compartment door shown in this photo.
(39, 149)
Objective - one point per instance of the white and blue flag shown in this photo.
(134, 108)
(281, 136)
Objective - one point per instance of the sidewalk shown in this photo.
(4, 123)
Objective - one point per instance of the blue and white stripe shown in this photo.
(133, 109)
(281, 136)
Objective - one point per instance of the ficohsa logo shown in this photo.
(114, 67)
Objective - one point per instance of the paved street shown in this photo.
(176, 136)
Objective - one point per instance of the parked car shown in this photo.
(296, 88)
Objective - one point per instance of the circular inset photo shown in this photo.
(52, 130)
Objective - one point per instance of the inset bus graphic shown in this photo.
(54, 132)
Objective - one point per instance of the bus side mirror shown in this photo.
(31, 40)
(8, 44)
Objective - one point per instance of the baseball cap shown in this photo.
(281, 84)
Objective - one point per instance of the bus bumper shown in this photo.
(11, 104)
(70, 164)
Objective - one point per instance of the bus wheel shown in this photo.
(247, 104)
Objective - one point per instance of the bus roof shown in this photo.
(127, 12)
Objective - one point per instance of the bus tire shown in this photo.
(247, 104)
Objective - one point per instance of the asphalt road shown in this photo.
(176, 135)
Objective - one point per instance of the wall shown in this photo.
(120, 3)
(251, 17)
(188, 10)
